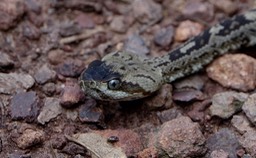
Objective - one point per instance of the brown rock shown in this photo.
(118, 24)
(71, 68)
(56, 56)
(164, 36)
(148, 152)
(85, 21)
(136, 44)
(248, 141)
(241, 123)
(219, 154)
(89, 113)
(71, 95)
(249, 108)
(10, 11)
(186, 95)
(44, 74)
(181, 137)
(30, 138)
(186, 30)
(236, 71)
(227, 6)
(147, 11)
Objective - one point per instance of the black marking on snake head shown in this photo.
(99, 71)
(145, 76)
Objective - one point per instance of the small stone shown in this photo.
(73, 149)
(136, 44)
(227, 6)
(187, 95)
(5, 61)
(225, 104)
(11, 10)
(70, 68)
(13, 82)
(129, 141)
(56, 56)
(31, 32)
(241, 124)
(49, 89)
(249, 108)
(148, 152)
(164, 36)
(24, 106)
(44, 74)
(197, 113)
(50, 110)
(71, 95)
(89, 113)
(224, 140)
(219, 154)
(163, 98)
(69, 29)
(186, 30)
(195, 82)
(58, 142)
(118, 24)
(85, 21)
(169, 114)
(237, 71)
(181, 137)
(199, 10)
(146, 11)
(30, 138)
(248, 141)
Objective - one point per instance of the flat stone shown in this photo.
(13, 82)
(195, 82)
(186, 30)
(50, 110)
(146, 11)
(224, 140)
(164, 36)
(24, 106)
(187, 95)
(30, 138)
(225, 104)
(237, 71)
(71, 68)
(249, 108)
(136, 44)
(181, 137)
(5, 61)
(44, 74)
(89, 113)
(241, 123)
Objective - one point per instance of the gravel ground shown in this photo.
(45, 45)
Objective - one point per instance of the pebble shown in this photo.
(49, 89)
(44, 74)
(224, 140)
(50, 110)
(71, 68)
(248, 141)
(136, 44)
(181, 137)
(227, 6)
(195, 82)
(148, 152)
(199, 10)
(69, 29)
(237, 71)
(71, 94)
(14, 82)
(56, 56)
(58, 142)
(249, 108)
(162, 99)
(225, 104)
(118, 24)
(147, 11)
(186, 30)
(31, 32)
(241, 123)
(85, 21)
(24, 106)
(129, 141)
(187, 95)
(5, 61)
(30, 138)
(169, 114)
(219, 154)
(164, 36)
(197, 112)
(11, 10)
(90, 113)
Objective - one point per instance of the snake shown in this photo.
(125, 76)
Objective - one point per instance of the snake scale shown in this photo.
(123, 76)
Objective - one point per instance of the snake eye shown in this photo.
(114, 84)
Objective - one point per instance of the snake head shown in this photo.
(119, 76)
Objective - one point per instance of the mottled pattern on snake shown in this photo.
(127, 76)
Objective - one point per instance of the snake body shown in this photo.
(126, 76)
